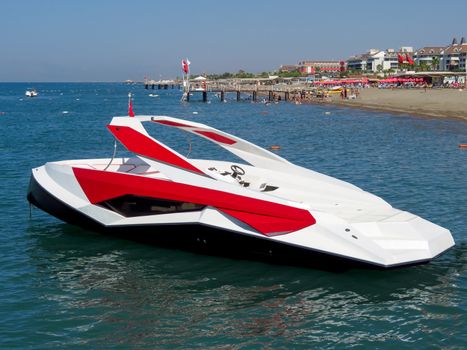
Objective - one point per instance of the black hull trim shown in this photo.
(199, 238)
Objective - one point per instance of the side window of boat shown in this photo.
(131, 206)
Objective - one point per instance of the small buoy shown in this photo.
(275, 147)
(264, 113)
(65, 112)
(327, 113)
(462, 145)
(195, 112)
(77, 99)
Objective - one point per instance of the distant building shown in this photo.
(358, 62)
(390, 58)
(455, 56)
(382, 60)
(430, 55)
(374, 60)
(312, 67)
(286, 68)
(406, 49)
(445, 58)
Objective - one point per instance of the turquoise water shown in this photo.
(62, 287)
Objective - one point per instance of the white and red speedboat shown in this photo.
(269, 209)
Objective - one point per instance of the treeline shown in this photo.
(241, 74)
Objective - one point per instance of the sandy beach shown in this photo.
(450, 103)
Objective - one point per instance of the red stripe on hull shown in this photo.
(265, 217)
(216, 137)
(266, 224)
(171, 123)
(148, 147)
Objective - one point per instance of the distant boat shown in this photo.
(336, 90)
(153, 95)
(31, 93)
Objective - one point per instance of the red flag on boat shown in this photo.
(185, 65)
(409, 59)
(130, 106)
(400, 58)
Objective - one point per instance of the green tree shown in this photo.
(344, 74)
(435, 63)
(226, 75)
(243, 74)
(289, 74)
(423, 66)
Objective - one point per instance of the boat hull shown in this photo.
(200, 238)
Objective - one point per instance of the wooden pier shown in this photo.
(162, 84)
(269, 92)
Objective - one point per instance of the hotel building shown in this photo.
(376, 60)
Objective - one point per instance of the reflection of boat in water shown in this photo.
(31, 93)
(269, 209)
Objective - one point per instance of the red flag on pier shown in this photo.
(409, 59)
(185, 65)
(130, 106)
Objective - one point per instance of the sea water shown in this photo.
(64, 287)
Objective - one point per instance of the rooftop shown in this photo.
(456, 48)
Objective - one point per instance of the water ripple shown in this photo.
(63, 287)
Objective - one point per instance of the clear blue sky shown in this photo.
(114, 40)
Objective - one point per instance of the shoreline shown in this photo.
(443, 103)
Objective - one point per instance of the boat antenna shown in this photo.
(113, 155)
